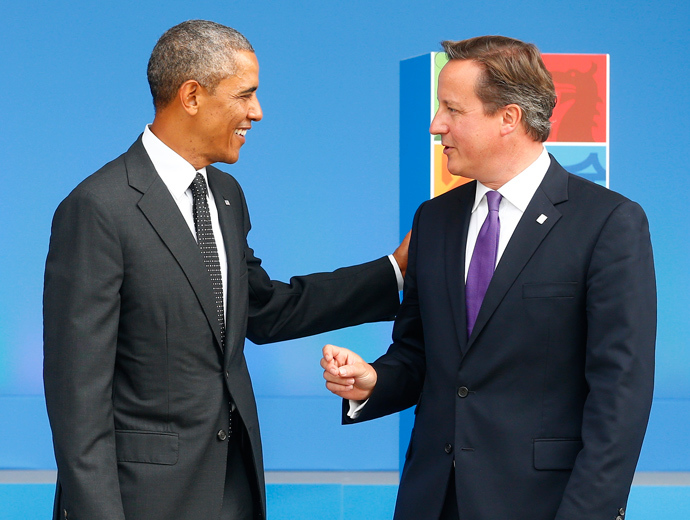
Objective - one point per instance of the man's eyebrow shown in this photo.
(249, 90)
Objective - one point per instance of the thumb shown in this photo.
(357, 370)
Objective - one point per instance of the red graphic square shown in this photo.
(581, 86)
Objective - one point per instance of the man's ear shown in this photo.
(511, 118)
(188, 95)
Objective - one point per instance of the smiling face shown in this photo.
(470, 137)
(225, 115)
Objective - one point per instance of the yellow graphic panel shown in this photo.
(444, 180)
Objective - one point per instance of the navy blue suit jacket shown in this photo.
(542, 411)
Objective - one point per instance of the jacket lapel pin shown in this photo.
(227, 202)
(542, 218)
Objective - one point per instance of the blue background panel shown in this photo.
(415, 140)
(23, 440)
(657, 503)
(341, 502)
(26, 501)
(295, 420)
(667, 442)
(320, 172)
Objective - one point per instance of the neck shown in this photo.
(171, 130)
(511, 164)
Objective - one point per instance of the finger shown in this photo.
(328, 352)
(340, 390)
(346, 381)
(355, 370)
(342, 356)
(330, 366)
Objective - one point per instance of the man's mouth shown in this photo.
(241, 131)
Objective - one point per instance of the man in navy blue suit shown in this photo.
(532, 406)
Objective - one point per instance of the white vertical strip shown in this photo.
(432, 94)
(608, 118)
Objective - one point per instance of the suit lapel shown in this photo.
(526, 238)
(234, 256)
(162, 212)
(456, 244)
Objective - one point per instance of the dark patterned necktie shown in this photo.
(207, 245)
(483, 260)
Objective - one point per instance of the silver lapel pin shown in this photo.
(542, 218)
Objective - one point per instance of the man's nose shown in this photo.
(255, 112)
(436, 127)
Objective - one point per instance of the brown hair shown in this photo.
(514, 73)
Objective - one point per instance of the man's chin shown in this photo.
(229, 159)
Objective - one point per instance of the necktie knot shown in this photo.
(198, 186)
(493, 199)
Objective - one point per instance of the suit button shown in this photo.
(227, 375)
(621, 512)
(222, 435)
(619, 517)
(448, 448)
(463, 391)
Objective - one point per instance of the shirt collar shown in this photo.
(520, 189)
(176, 172)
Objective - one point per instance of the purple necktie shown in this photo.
(483, 260)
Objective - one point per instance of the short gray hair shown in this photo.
(196, 49)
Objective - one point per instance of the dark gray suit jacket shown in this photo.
(137, 385)
(542, 411)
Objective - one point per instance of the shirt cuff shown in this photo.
(398, 273)
(355, 408)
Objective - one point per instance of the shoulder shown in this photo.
(595, 199)
(578, 197)
(102, 185)
(451, 200)
(116, 186)
(224, 181)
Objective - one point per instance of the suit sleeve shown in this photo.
(619, 367)
(319, 302)
(81, 307)
(400, 371)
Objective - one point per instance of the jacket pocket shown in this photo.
(147, 447)
(550, 454)
(549, 290)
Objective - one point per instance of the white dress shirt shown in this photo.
(517, 194)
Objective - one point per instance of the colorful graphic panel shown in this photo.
(579, 131)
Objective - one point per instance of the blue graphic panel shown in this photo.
(587, 161)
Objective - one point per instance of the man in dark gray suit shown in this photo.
(150, 290)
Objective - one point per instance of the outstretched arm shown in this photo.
(315, 303)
